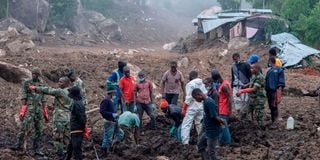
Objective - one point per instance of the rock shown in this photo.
(34, 14)
(238, 43)
(20, 45)
(162, 158)
(223, 53)
(169, 46)
(20, 27)
(184, 62)
(97, 26)
(2, 53)
(180, 47)
(51, 33)
(12, 32)
(12, 73)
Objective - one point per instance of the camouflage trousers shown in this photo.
(61, 136)
(257, 106)
(34, 119)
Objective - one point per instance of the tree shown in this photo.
(292, 9)
(274, 5)
(230, 4)
(3, 8)
(308, 27)
(62, 12)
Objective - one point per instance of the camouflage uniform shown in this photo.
(256, 99)
(61, 117)
(34, 113)
(79, 83)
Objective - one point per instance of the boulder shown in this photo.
(169, 46)
(97, 26)
(12, 73)
(238, 43)
(34, 14)
(20, 45)
(19, 27)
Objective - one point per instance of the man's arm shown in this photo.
(226, 90)
(213, 113)
(183, 86)
(232, 76)
(50, 91)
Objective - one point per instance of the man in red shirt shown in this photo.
(225, 104)
(126, 86)
(144, 98)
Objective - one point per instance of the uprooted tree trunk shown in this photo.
(12, 73)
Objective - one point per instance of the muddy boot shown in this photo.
(16, 147)
(37, 150)
(273, 126)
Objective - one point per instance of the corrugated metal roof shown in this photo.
(292, 50)
(209, 25)
(284, 37)
(233, 14)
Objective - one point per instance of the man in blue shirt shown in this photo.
(275, 82)
(111, 128)
(212, 123)
(113, 80)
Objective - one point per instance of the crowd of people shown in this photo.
(208, 105)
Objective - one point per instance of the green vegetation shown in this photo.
(275, 26)
(100, 6)
(308, 27)
(303, 17)
(62, 12)
(3, 8)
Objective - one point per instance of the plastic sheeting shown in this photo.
(292, 50)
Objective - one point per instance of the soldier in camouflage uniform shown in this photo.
(61, 114)
(256, 94)
(33, 106)
(77, 82)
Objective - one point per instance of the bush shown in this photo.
(275, 26)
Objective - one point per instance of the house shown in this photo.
(230, 24)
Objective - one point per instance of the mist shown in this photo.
(188, 8)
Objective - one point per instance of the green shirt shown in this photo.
(62, 103)
(258, 82)
(34, 100)
(129, 119)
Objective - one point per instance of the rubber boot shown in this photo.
(37, 150)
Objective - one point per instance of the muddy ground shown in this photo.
(95, 64)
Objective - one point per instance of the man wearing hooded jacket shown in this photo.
(194, 111)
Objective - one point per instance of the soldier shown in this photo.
(33, 105)
(77, 82)
(257, 95)
(61, 113)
